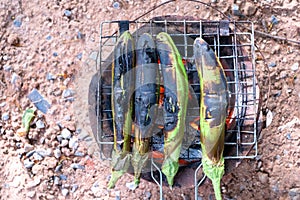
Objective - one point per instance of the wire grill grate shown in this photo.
(233, 43)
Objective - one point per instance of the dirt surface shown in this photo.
(52, 47)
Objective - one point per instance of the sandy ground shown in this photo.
(52, 47)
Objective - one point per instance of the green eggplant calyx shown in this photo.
(120, 164)
(215, 172)
(138, 161)
(169, 168)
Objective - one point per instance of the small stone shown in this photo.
(116, 5)
(73, 143)
(288, 136)
(74, 188)
(57, 153)
(295, 66)
(28, 163)
(56, 180)
(40, 124)
(263, 177)
(131, 186)
(34, 183)
(77, 166)
(68, 13)
(44, 152)
(49, 37)
(269, 118)
(63, 177)
(59, 138)
(17, 22)
(68, 93)
(50, 162)
(65, 192)
(28, 147)
(118, 193)
(64, 143)
(58, 168)
(147, 195)
(79, 154)
(31, 194)
(236, 10)
(294, 192)
(79, 56)
(2, 104)
(274, 20)
(37, 156)
(66, 134)
(50, 77)
(13, 40)
(283, 74)
(55, 54)
(30, 153)
(5, 116)
(250, 10)
(272, 64)
(38, 100)
(259, 164)
(7, 68)
(37, 169)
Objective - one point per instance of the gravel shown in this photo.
(28, 163)
(66, 134)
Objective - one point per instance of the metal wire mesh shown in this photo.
(233, 43)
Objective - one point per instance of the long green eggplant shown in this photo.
(213, 112)
(146, 97)
(122, 104)
(175, 102)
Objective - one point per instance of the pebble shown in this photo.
(49, 37)
(68, 93)
(274, 20)
(59, 138)
(68, 13)
(288, 136)
(7, 68)
(13, 39)
(5, 116)
(269, 118)
(295, 66)
(40, 124)
(63, 177)
(37, 169)
(66, 134)
(57, 153)
(294, 192)
(118, 193)
(34, 183)
(44, 152)
(131, 186)
(79, 35)
(74, 188)
(77, 166)
(50, 77)
(65, 192)
(28, 147)
(37, 156)
(30, 153)
(263, 177)
(73, 143)
(79, 56)
(56, 180)
(249, 9)
(2, 104)
(116, 5)
(272, 64)
(50, 162)
(31, 194)
(79, 154)
(17, 22)
(55, 54)
(64, 143)
(28, 163)
(14, 78)
(58, 168)
(38, 100)
(147, 195)
(236, 10)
